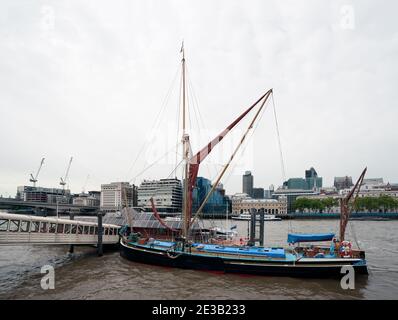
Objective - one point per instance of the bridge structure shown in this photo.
(46, 207)
(17, 229)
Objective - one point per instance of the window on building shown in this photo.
(25, 226)
(43, 227)
(52, 228)
(34, 226)
(14, 225)
(60, 228)
(3, 224)
(86, 230)
(79, 229)
(73, 229)
(67, 228)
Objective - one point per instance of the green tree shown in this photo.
(310, 204)
(383, 203)
(329, 203)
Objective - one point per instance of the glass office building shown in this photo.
(218, 202)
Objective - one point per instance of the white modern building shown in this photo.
(166, 193)
(117, 195)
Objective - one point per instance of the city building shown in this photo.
(117, 195)
(218, 202)
(247, 183)
(291, 195)
(311, 173)
(40, 194)
(295, 183)
(343, 182)
(242, 203)
(87, 199)
(392, 186)
(268, 193)
(367, 191)
(95, 194)
(328, 191)
(310, 182)
(371, 183)
(166, 193)
(258, 193)
(370, 192)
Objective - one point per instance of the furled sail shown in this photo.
(156, 214)
(296, 238)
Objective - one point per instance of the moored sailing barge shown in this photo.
(185, 250)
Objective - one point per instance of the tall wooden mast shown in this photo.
(185, 140)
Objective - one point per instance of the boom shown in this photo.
(345, 210)
(63, 181)
(34, 178)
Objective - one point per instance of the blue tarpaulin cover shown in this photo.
(294, 238)
(256, 251)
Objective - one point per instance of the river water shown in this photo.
(83, 275)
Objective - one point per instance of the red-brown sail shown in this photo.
(156, 214)
(202, 154)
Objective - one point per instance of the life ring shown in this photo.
(346, 249)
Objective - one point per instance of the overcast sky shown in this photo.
(88, 78)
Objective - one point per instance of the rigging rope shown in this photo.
(353, 233)
(155, 162)
(290, 225)
(264, 99)
(279, 139)
(157, 118)
(246, 143)
(201, 122)
(178, 120)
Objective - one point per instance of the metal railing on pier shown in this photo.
(26, 229)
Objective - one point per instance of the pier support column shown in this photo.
(71, 247)
(100, 231)
(252, 239)
(262, 227)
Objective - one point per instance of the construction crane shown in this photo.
(34, 178)
(63, 180)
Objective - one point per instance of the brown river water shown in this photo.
(83, 275)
